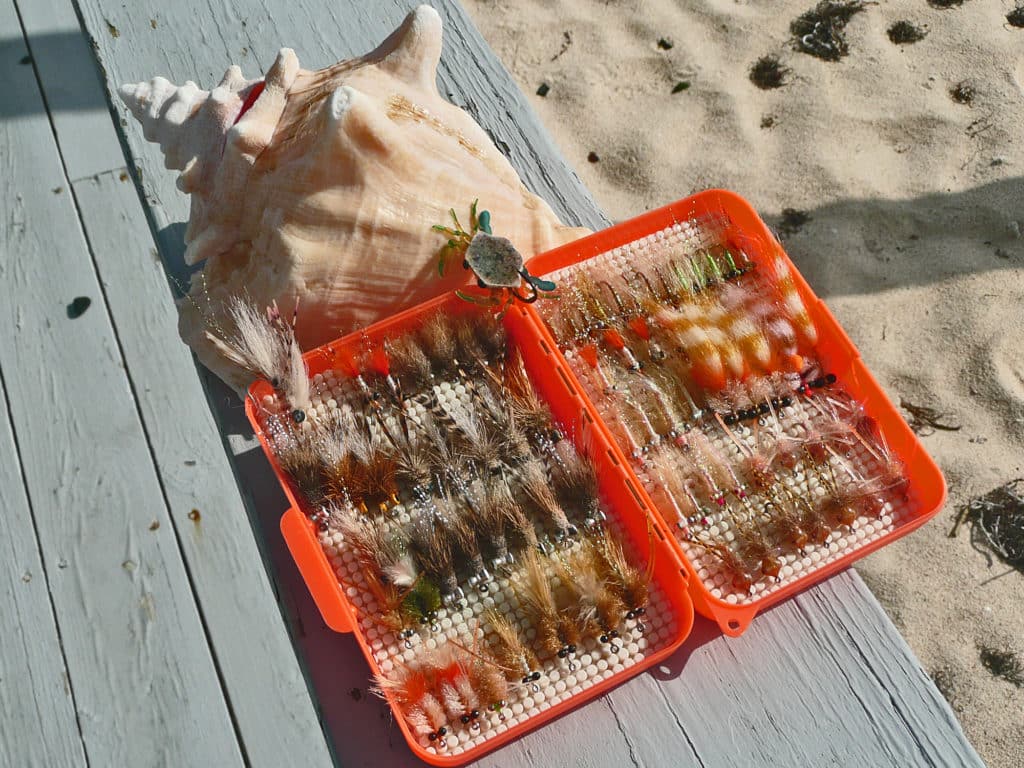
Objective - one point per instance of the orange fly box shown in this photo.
(707, 220)
(683, 577)
(334, 581)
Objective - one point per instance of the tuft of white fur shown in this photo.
(403, 572)
(468, 423)
(264, 344)
(466, 691)
(418, 721)
(296, 380)
(332, 445)
(452, 701)
(588, 583)
(359, 535)
(361, 444)
(433, 710)
(255, 344)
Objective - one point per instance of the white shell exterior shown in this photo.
(326, 188)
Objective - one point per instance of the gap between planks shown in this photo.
(133, 393)
(105, 303)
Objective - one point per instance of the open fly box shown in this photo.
(431, 636)
(737, 450)
(740, 405)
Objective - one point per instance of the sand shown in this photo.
(912, 231)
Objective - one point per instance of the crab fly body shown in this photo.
(497, 265)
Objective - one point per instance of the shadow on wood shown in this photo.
(75, 89)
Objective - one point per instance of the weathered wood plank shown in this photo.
(71, 87)
(36, 705)
(133, 640)
(266, 685)
(721, 702)
(821, 679)
(261, 675)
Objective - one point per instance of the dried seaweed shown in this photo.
(1003, 664)
(963, 93)
(792, 221)
(997, 522)
(904, 32)
(819, 31)
(768, 73)
(1015, 18)
(924, 420)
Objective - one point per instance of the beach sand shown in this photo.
(901, 172)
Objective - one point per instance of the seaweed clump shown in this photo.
(963, 93)
(820, 31)
(997, 522)
(924, 419)
(946, 3)
(1015, 18)
(1004, 665)
(903, 33)
(768, 73)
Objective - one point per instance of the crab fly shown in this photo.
(495, 262)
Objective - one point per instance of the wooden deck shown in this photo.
(150, 613)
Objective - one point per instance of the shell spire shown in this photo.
(187, 122)
(164, 108)
(413, 51)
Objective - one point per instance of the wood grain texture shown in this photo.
(821, 679)
(262, 678)
(71, 85)
(145, 685)
(36, 705)
(224, 562)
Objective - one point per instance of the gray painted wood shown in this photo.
(823, 678)
(144, 682)
(36, 704)
(261, 675)
(224, 562)
(71, 87)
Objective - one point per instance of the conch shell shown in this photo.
(322, 186)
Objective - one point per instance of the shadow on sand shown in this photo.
(890, 244)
